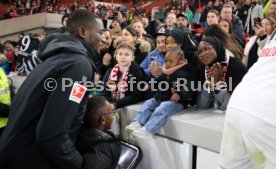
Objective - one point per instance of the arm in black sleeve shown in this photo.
(152, 28)
(187, 91)
(135, 95)
(239, 31)
(104, 23)
(236, 72)
(4, 110)
(61, 118)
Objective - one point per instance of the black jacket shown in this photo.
(134, 96)
(185, 75)
(236, 70)
(43, 124)
(238, 28)
(100, 150)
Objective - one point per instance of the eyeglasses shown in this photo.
(205, 49)
(108, 113)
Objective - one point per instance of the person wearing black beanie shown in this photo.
(182, 40)
(219, 74)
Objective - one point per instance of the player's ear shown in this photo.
(102, 120)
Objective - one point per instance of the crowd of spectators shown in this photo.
(204, 43)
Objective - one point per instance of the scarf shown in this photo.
(220, 85)
(173, 69)
(118, 90)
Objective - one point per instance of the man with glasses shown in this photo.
(98, 146)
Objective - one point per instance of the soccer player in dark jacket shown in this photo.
(47, 111)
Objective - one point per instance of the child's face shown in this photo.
(172, 59)
(124, 57)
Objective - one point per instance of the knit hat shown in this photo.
(183, 39)
(216, 43)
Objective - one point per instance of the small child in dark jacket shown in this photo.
(178, 75)
(99, 147)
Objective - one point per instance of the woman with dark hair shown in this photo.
(227, 27)
(219, 74)
(231, 45)
(130, 36)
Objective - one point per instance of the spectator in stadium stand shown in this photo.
(154, 61)
(243, 11)
(252, 50)
(166, 102)
(203, 16)
(122, 17)
(226, 13)
(145, 21)
(272, 9)
(217, 5)
(4, 62)
(47, 137)
(255, 12)
(183, 23)
(130, 36)
(178, 38)
(139, 27)
(9, 53)
(219, 74)
(107, 51)
(117, 79)
(227, 27)
(212, 17)
(170, 21)
(232, 47)
(188, 13)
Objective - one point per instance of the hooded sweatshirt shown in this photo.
(43, 123)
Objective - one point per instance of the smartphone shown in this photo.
(154, 60)
(160, 14)
(257, 21)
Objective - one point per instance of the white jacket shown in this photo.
(256, 12)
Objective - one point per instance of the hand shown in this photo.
(97, 77)
(175, 97)
(259, 30)
(153, 11)
(155, 70)
(216, 72)
(146, 88)
(106, 59)
(173, 90)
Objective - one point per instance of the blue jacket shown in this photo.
(147, 61)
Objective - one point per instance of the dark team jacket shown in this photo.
(131, 97)
(100, 150)
(43, 124)
(186, 76)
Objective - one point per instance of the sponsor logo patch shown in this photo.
(77, 93)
